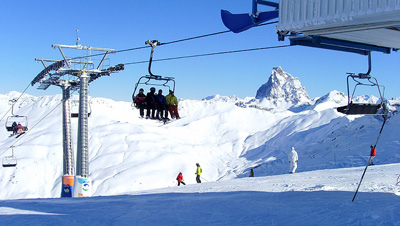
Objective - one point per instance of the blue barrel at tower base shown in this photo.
(82, 187)
(67, 186)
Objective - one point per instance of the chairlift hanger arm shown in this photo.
(153, 45)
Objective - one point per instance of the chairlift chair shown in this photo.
(19, 119)
(75, 109)
(151, 79)
(353, 108)
(10, 161)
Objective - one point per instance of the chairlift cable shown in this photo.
(32, 127)
(210, 54)
(175, 41)
(15, 102)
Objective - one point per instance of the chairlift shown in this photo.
(10, 161)
(151, 79)
(75, 109)
(18, 119)
(363, 79)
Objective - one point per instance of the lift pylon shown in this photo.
(86, 73)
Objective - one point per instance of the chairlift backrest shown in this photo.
(9, 161)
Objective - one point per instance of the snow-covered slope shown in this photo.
(321, 197)
(227, 138)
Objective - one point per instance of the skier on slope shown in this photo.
(372, 155)
(198, 173)
(251, 173)
(179, 178)
(293, 158)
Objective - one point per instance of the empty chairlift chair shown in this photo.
(75, 109)
(10, 161)
(353, 108)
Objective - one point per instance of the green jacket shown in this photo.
(171, 100)
(198, 171)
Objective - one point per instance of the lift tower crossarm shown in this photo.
(43, 60)
(107, 50)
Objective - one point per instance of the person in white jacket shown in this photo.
(293, 158)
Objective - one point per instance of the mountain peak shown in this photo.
(282, 86)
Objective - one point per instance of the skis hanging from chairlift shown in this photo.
(151, 79)
(10, 161)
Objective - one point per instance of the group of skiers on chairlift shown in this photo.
(17, 128)
(157, 105)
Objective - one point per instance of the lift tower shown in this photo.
(85, 74)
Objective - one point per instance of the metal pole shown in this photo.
(68, 168)
(82, 150)
(68, 158)
(82, 183)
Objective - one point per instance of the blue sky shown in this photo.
(29, 28)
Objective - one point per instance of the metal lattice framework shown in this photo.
(79, 79)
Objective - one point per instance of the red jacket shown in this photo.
(140, 98)
(373, 151)
(179, 178)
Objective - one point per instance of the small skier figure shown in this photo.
(151, 103)
(198, 173)
(172, 103)
(179, 178)
(19, 128)
(372, 155)
(293, 158)
(14, 128)
(140, 101)
(251, 173)
(162, 112)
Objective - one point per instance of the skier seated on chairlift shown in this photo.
(140, 101)
(172, 103)
(19, 128)
(14, 128)
(151, 103)
(162, 112)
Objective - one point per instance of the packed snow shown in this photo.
(134, 163)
